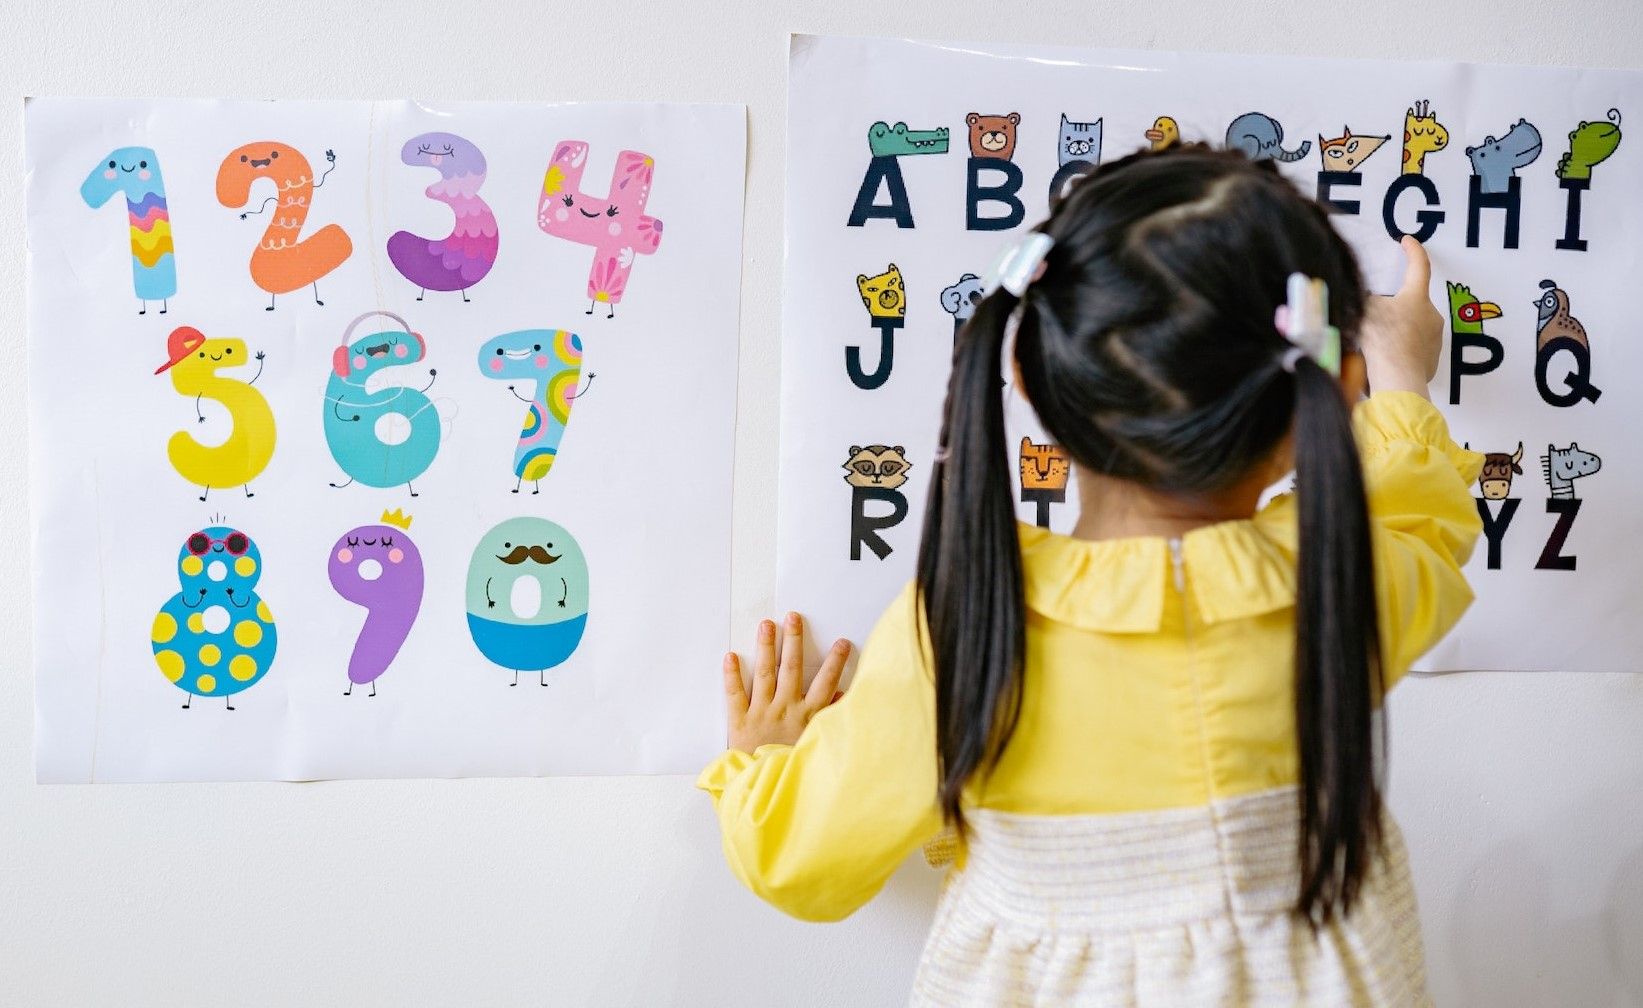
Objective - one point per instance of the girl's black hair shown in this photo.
(1149, 352)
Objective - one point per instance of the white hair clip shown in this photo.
(1304, 322)
(1019, 264)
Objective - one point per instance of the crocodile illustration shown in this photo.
(1590, 144)
(1261, 138)
(1496, 161)
(885, 140)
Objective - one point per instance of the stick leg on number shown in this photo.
(270, 303)
(188, 701)
(316, 295)
(515, 678)
(165, 305)
(230, 702)
(350, 690)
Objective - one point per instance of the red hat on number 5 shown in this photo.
(183, 341)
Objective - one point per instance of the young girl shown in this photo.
(1158, 737)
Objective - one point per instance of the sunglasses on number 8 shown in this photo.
(199, 543)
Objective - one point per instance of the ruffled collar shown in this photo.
(1231, 570)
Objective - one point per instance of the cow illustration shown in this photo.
(1498, 470)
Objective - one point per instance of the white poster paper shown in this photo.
(911, 164)
(288, 521)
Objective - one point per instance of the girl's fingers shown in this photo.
(824, 688)
(764, 663)
(790, 680)
(735, 691)
(1417, 270)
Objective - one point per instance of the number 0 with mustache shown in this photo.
(527, 596)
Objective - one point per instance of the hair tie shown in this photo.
(1019, 264)
(1304, 322)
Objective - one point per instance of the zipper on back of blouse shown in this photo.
(1178, 563)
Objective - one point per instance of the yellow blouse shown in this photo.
(1119, 714)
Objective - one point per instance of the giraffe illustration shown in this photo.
(1422, 135)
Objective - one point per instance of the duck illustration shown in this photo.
(1164, 133)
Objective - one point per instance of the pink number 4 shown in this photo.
(616, 225)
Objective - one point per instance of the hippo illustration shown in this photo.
(1496, 161)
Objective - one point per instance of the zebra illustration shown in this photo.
(1562, 466)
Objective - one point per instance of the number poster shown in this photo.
(379, 439)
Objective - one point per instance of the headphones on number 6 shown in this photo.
(345, 364)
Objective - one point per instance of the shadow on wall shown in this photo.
(694, 936)
(1623, 924)
(1512, 938)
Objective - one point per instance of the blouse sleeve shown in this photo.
(1423, 523)
(815, 829)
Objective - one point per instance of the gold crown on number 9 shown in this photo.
(397, 518)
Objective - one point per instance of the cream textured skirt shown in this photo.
(1172, 909)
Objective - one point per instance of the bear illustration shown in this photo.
(992, 136)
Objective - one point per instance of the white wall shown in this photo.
(1522, 797)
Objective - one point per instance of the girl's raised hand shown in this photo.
(778, 706)
(1402, 335)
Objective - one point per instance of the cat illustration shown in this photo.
(1080, 141)
(883, 294)
(1346, 152)
(883, 466)
(1043, 466)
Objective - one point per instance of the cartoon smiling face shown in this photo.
(214, 354)
(264, 159)
(451, 154)
(527, 571)
(567, 212)
(530, 353)
(370, 354)
(375, 562)
(131, 171)
(219, 559)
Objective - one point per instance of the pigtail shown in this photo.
(969, 564)
(1337, 667)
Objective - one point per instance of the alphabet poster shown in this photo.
(380, 439)
(912, 164)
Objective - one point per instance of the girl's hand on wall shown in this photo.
(778, 707)
(1402, 335)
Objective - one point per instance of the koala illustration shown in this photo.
(992, 136)
(883, 294)
(961, 298)
(882, 466)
